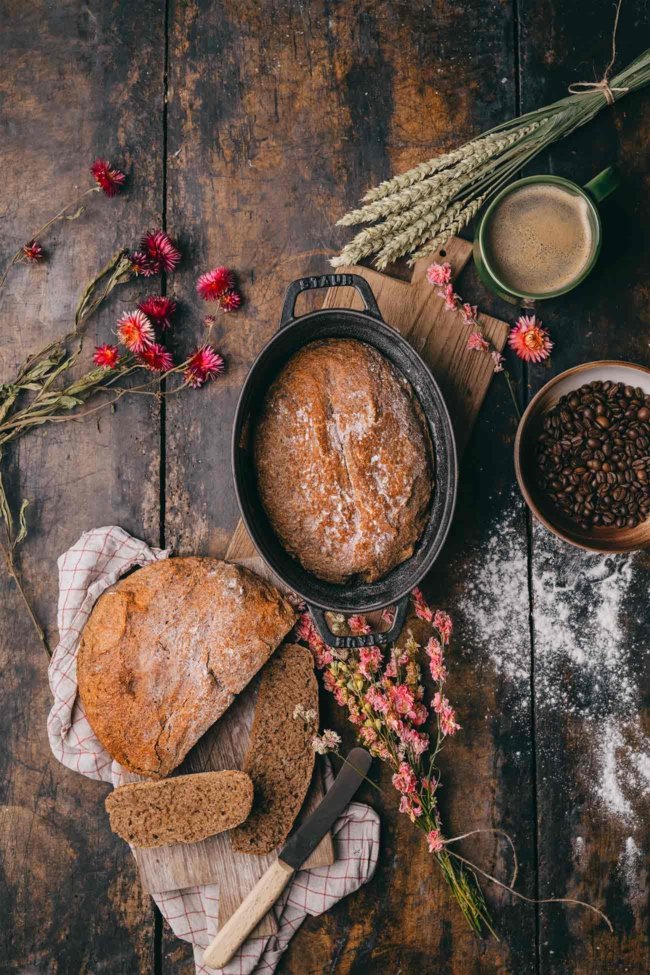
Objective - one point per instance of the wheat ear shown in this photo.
(444, 232)
(448, 159)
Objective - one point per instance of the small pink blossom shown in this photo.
(358, 625)
(469, 313)
(435, 841)
(405, 780)
(410, 806)
(439, 702)
(368, 736)
(443, 623)
(376, 700)
(327, 742)
(420, 714)
(370, 660)
(390, 670)
(439, 275)
(417, 741)
(422, 611)
(401, 698)
(498, 361)
(388, 616)
(450, 297)
(448, 724)
(477, 343)
(436, 660)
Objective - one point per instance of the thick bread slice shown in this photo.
(280, 758)
(185, 809)
(166, 650)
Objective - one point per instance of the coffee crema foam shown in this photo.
(539, 238)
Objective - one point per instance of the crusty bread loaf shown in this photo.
(351, 431)
(183, 809)
(280, 757)
(165, 651)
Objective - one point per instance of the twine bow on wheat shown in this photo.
(418, 211)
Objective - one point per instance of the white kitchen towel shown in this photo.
(94, 563)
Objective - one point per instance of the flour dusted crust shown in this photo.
(344, 461)
(166, 650)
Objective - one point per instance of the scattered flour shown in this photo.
(590, 647)
(631, 865)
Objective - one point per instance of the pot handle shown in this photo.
(363, 639)
(328, 281)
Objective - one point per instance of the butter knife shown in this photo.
(293, 854)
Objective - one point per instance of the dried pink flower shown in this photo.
(530, 340)
(405, 780)
(410, 805)
(469, 313)
(477, 343)
(498, 361)
(439, 275)
(443, 624)
(370, 660)
(420, 606)
(327, 742)
(435, 841)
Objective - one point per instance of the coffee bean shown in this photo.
(593, 455)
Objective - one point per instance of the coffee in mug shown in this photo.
(540, 238)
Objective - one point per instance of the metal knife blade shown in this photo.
(307, 837)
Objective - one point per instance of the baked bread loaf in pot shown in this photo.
(348, 424)
(346, 532)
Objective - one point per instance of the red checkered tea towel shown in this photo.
(94, 563)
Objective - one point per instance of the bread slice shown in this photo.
(280, 757)
(184, 809)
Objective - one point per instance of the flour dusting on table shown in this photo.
(590, 646)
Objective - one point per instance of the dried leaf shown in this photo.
(22, 522)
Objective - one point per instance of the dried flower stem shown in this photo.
(63, 214)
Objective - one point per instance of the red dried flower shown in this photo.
(203, 364)
(160, 250)
(213, 284)
(106, 356)
(156, 358)
(230, 301)
(141, 265)
(159, 309)
(530, 341)
(33, 251)
(135, 330)
(109, 179)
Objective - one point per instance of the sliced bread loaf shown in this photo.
(280, 757)
(183, 809)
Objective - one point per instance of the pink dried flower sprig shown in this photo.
(440, 277)
(387, 703)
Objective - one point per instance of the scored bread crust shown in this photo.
(351, 431)
(166, 650)
(183, 809)
(280, 756)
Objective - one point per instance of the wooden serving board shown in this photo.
(464, 376)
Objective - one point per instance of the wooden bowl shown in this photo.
(598, 539)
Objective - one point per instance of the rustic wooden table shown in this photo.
(246, 129)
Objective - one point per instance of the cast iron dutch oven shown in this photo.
(366, 326)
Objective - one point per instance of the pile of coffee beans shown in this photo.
(593, 455)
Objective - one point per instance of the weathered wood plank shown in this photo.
(590, 620)
(76, 81)
(279, 117)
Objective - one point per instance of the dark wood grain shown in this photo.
(582, 842)
(77, 81)
(278, 117)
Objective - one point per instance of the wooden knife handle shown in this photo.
(248, 915)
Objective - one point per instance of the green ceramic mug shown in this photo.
(540, 243)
